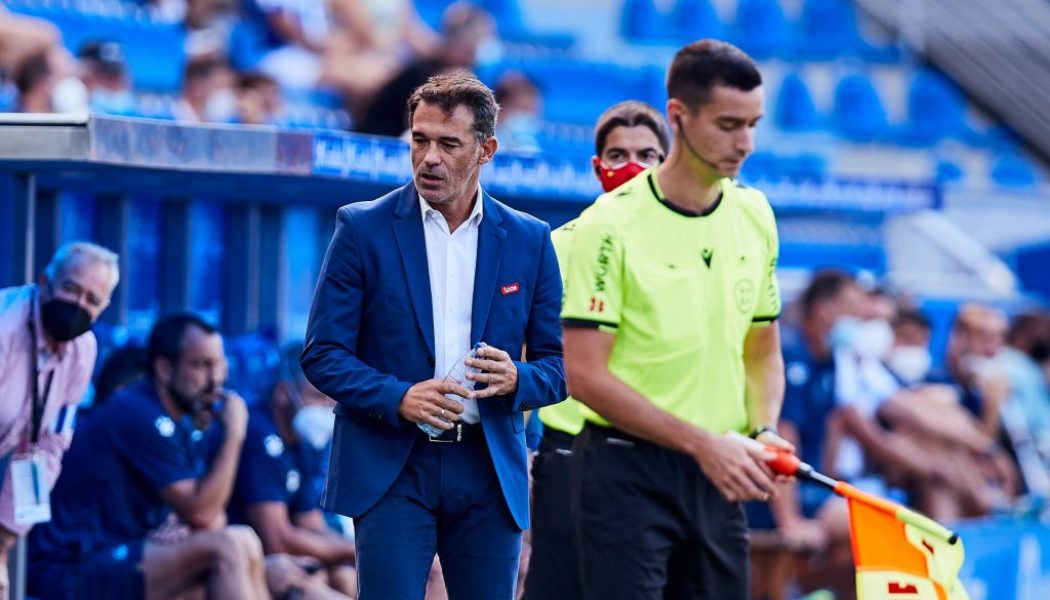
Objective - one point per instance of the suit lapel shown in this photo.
(491, 237)
(408, 231)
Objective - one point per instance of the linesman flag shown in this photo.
(899, 554)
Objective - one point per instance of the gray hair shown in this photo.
(72, 252)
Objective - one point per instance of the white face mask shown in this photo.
(909, 363)
(314, 425)
(843, 332)
(983, 367)
(70, 96)
(872, 339)
(221, 106)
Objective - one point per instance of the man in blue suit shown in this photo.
(410, 283)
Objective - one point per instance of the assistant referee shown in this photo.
(629, 137)
(671, 340)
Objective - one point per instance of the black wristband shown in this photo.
(757, 432)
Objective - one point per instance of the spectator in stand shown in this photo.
(47, 82)
(464, 28)
(207, 92)
(931, 419)
(974, 363)
(258, 99)
(810, 515)
(137, 459)
(22, 37)
(104, 71)
(305, 50)
(520, 114)
(35, 81)
(47, 355)
(1029, 333)
(387, 28)
(123, 366)
(277, 493)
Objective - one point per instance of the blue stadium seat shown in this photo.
(804, 167)
(578, 91)
(430, 11)
(641, 21)
(760, 166)
(859, 113)
(245, 46)
(794, 108)
(827, 29)
(1013, 170)
(870, 257)
(768, 166)
(947, 171)
(936, 108)
(697, 19)
(512, 26)
(154, 49)
(761, 28)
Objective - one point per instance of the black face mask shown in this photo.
(64, 320)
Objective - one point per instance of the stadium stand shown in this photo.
(917, 160)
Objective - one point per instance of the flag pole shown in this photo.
(783, 462)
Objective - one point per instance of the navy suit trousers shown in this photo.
(447, 500)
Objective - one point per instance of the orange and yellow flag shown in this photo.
(900, 554)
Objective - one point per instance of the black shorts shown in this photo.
(553, 574)
(110, 573)
(650, 525)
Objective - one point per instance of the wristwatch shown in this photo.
(757, 432)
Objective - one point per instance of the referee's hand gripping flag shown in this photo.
(899, 553)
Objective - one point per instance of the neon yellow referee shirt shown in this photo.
(564, 416)
(680, 293)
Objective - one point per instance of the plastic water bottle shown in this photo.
(458, 375)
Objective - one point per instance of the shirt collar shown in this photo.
(476, 214)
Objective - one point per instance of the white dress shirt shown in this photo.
(452, 259)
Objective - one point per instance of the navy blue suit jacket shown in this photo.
(371, 337)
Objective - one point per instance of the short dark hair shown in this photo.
(202, 67)
(253, 80)
(630, 113)
(1030, 324)
(34, 69)
(103, 55)
(702, 65)
(910, 316)
(459, 88)
(825, 285)
(123, 366)
(513, 83)
(165, 339)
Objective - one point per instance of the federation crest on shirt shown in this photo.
(165, 426)
(292, 481)
(744, 292)
(274, 445)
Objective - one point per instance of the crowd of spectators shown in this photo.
(243, 58)
(868, 402)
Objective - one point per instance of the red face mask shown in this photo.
(614, 177)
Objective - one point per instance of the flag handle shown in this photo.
(783, 462)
